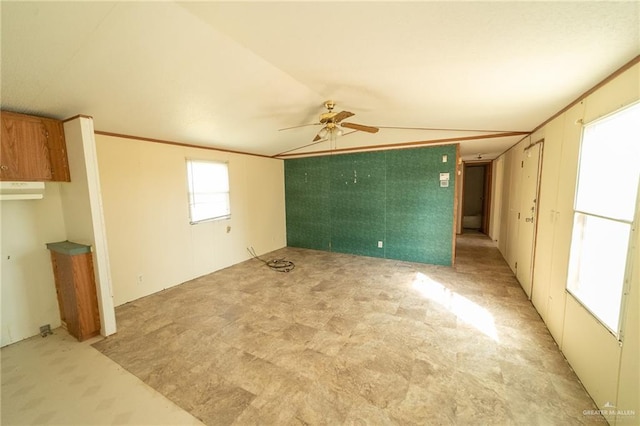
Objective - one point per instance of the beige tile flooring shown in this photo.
(341, 340)
(352, 340)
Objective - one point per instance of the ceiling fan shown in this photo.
(332, 122)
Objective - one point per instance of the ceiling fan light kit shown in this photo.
(332, 122)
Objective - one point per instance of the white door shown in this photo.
(528, 216)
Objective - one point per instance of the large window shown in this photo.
(208, 190)
(604, 212)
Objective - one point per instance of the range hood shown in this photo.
(21, 190)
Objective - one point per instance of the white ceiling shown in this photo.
(230, 74)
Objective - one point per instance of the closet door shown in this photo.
(564, 220)
(547, 215)
(527, 217)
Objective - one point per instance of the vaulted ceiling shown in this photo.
(231, 74)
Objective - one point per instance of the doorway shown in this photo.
(476, 197)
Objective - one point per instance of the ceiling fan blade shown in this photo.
(315, 142)
(317, 138)
(341, 116)
(368, 129)
(300, 147)
(301, 125)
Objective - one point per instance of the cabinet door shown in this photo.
(86, 296)
(63, 271)
(24, 154)
(57, 150)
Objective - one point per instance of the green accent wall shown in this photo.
(347, 203)
(307, 203)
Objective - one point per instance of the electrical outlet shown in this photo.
(379, 244)
(139, 278)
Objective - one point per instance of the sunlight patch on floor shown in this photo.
(466, 310)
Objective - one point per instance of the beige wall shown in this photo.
(629, 372)
(496, 200)
(609, 370)
(145, 204)
(513, 157)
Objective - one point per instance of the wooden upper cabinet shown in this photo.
(32, 149)
(24, 155)
(57, 149)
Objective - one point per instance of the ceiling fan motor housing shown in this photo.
(333, 122)
(327, 117)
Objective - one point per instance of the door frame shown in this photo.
(486, 201)
(486, 193)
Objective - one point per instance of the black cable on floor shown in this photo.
(278, 265)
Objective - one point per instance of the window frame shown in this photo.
(190, 191)
(618, 332)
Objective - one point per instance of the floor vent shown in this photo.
(45, 330)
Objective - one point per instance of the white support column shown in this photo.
(82, 209)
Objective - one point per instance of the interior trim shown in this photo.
(77, 116)
(402, 144)
(188, 145)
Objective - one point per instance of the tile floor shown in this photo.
(352, 340)
(340, 340)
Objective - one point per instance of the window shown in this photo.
(604, 213)
(208, 190)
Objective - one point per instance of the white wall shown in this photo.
(82, 207)
(505, 193)
(511, 203)
(609, 371)
(145, 204)
(459, 195)
(496, 199)
(28, 295)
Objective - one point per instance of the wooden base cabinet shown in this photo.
(76, 288)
